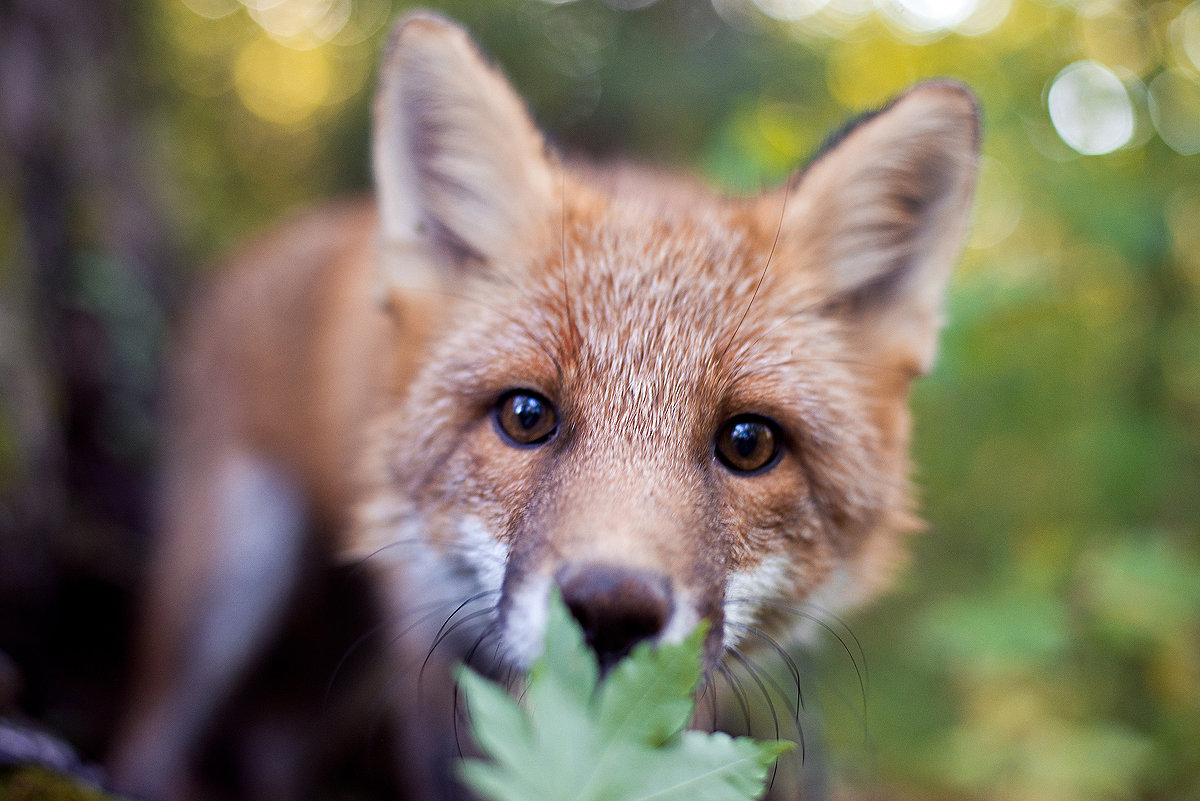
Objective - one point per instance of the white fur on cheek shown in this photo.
(683, 621)
(747, 590)
(525, 620)
(427, 585)
(482, 552)
(835, 594)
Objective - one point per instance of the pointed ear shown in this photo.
(882, 211)
(458, 163)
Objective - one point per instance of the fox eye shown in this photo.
(748, 443)
(525, 418)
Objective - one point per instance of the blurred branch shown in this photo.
(92, 265)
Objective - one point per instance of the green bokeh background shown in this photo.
(1044, 642)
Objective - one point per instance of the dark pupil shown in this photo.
(527, 410)
(744, 438)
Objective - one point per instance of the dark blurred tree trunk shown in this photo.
(84, 300)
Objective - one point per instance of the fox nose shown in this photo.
(616, 607)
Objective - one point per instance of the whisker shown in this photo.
(735, 686)
(448, 631)
(753, 672)
(709, 691)
(437, 637)
(358, 564)
(740, 656)
(420, 620)
(572, 330)
(859, 669)
(543, 344)
(458, 708)
(762, 276)
(784, 656)
(354, 646)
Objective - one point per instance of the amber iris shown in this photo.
(747, 444)
(526, 418)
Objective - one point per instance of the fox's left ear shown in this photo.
(881, 214)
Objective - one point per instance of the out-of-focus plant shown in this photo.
(573, 737)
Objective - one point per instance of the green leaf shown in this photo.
(648, 697)
(705, 767)
(500, 725)
(571, 741)
(565, 654)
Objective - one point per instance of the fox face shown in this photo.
(518, 375)
(667, 405)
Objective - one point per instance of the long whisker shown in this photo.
(358, 564)
(354, 646)
(787, 661)
(761, 277)
(739, 694)
(458, 696)
(465, 619)
(859, 662)
(819, 616)
(709, 691)
(753, 673)
(572, 329)
(784, 656)
(438, 637)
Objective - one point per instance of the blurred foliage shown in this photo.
(36, 784)
(1045, 642)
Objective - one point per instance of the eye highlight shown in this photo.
(525, 418)
(748, 443)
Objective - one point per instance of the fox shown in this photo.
(512, 374)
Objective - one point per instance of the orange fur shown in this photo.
(363, 353)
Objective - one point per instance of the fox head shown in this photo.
(669, 405)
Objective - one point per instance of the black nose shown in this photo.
(616, 607)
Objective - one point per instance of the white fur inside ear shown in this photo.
(883, 213)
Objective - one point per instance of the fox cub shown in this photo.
(510, 374)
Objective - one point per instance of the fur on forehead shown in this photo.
(630, 272)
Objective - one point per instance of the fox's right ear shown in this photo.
(459, 165)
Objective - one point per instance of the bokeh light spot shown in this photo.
(925, 16)
(279, 84)
(212, 9)
(790, 10)
(1185, 32)
(999, 206)
(1090, 108)
(1175, 110)
(988, 15)
(301, 24)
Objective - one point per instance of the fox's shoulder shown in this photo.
(289, 336)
